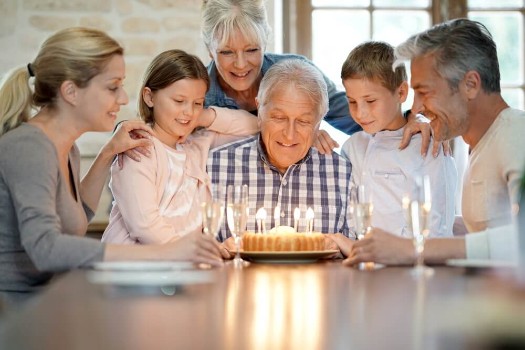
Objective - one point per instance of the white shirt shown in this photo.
(378, 163)
(491, 188)
(492, 178)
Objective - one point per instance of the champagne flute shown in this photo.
(417, 207)
(361, 208)
(213, 211)
(236, 216)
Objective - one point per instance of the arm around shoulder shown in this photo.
(234, 122)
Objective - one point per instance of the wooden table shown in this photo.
(312, 306)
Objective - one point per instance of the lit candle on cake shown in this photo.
(309, 220)
(277, 216)
(296, 216)
(259, 218)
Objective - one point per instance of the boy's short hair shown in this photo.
(373, 60)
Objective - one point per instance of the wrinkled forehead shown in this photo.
(290, 101)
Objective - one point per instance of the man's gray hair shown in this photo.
(220, 18)
(458, 46)
(300, 74)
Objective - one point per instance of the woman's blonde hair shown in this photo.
(76, 54)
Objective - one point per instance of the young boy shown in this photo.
(375, 93)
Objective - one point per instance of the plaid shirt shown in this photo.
(318, 181)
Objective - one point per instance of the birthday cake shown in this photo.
(283, 238)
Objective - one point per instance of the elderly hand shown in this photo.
(416, 124)
(135, 138)
(381, 247)
(324, 143)
(341, 242)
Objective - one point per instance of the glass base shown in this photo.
(368, 266)
(422, 271)
(204, 266)
(238, 263)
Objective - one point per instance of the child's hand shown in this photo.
(207, 117)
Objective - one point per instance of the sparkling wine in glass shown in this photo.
(361, 208)
(417, 205)
(237, 216)
(213, 212)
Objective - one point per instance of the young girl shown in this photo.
(158, 199)
(44, 207)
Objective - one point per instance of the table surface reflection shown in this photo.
(311, 306)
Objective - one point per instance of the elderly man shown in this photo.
(279, 165)
(456, 80)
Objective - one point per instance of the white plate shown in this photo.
(142, 265)
(287, 257)
(151, 278)
(480, 263)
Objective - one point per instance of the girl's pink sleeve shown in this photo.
(135, 189)
(232, 124)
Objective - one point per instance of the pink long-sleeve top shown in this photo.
(158, 199)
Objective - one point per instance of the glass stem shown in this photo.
(419, 253)
(237, 247)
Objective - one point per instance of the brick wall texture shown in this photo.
(144, 27)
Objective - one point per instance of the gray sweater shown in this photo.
(41, 223)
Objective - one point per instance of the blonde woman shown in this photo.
(44, 206)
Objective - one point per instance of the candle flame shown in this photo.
(277, 212)
(296, 213)
(261, 214)
(309, 214)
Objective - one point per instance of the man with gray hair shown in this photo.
(279, 164)
(456, 82)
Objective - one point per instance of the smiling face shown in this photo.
(447, 109)
(176, 109)
(373, 106)
(239, 61)
(289, 126)
(100, 101)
